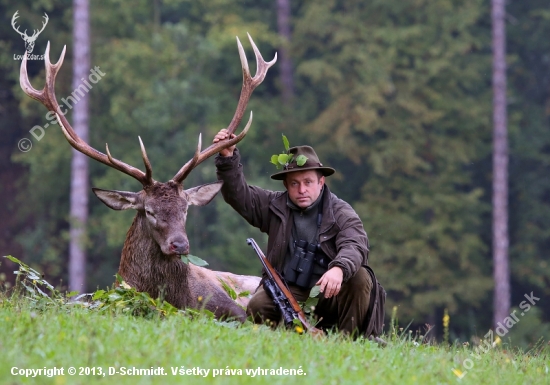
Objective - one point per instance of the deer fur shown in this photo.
(150, 260)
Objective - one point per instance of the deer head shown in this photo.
(162, 207)
(29, 40)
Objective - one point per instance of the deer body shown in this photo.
(144, 267)
(150, 260)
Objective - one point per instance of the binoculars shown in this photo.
(307, 265)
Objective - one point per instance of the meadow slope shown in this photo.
(75, 337)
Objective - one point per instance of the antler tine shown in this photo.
(47, 97)
(244, 60)
(116, 164)
(188, 167)
(51, 72)
(143, 178)
(249, 84)
(260, 62)
(148, 167)
(199, 157)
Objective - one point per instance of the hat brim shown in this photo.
(326, 171)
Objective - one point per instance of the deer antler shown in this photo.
(47, 97)
(37, 32)
(15, 16)
(249, 84)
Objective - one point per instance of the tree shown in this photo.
(79, 161)
(283, 26)
(528, 81)
(402, 100)
(501, 273)
(395, 95)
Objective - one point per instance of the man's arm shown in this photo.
(251, 202)
(331, 282)
(351, 243)
(222, 135)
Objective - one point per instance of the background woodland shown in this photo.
(395, 95)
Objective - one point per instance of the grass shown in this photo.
(77, 337)
(37, 334)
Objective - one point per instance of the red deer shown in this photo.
(150, 258)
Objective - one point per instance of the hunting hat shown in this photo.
(312, 163)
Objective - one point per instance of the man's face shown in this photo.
(304, 187)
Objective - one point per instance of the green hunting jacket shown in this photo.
(342, 236)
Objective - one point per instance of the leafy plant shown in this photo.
(309, 305)
(127, 299)
(284, 159)
(120, 298)
(35, 288)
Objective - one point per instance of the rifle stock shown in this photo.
(282, 297)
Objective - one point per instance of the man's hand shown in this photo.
(331, 282)
(222, 135)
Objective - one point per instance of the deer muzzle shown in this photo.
(178, 247)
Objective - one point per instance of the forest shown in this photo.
(395, 95)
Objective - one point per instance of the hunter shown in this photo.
(306, 217)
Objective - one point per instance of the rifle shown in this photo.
(281, 295)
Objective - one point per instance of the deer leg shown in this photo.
(206, 291)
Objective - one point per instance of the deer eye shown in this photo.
(149, 213)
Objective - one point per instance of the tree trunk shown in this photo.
(283, 24)
(501, 273)
(79, 162)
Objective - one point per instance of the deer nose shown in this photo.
(179, 247)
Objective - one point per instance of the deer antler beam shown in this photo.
(47, 97)
(249, 84)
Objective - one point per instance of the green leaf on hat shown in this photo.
(283, 158)
(301, 160)
(274, 160)
(285, 142)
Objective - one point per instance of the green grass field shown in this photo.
(105, 343)
(80, 338)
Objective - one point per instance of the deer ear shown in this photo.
(202, 195)
(119, 200)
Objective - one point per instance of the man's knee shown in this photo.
(262, 308)
(359, 282)
(255, 305)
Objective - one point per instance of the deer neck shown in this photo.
(145, 267)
